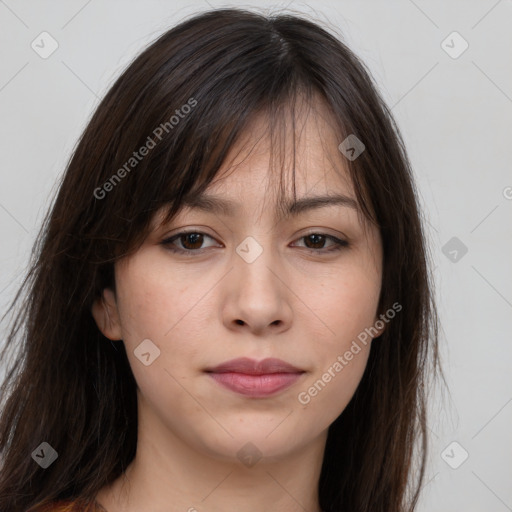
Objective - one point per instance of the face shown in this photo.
(251, 283)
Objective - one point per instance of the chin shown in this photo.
(252, 440)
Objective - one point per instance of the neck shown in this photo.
(167, 474)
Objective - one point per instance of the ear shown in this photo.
(105, 313)
(379, 325)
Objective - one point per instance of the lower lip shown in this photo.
(257, 386)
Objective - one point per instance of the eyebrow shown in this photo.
(223, 206)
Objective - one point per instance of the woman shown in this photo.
(230, 305)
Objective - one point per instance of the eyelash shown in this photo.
(339, 244)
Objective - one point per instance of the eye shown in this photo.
(315, 242)
(192, 241)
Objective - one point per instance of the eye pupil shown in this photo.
(317, 240)
(194, 238)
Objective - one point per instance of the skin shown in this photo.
(292, 303)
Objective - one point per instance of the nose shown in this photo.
(257, 297)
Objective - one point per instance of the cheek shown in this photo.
(346, 304)
(151, 298)
(154, 305)
(165, 307)
(325, 397)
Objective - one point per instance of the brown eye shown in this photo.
(187, 242)
(315, 242)
(191, 240)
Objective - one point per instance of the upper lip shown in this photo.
(253, 367)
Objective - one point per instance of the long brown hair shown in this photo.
(72, 388)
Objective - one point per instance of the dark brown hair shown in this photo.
(73, 388)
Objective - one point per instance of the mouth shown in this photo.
(257, 379)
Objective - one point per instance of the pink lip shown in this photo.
(255, 378)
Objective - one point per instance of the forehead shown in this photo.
(286, 151)
(285, 163)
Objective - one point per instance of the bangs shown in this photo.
(280, 124)
(192, 102)
(283, 119)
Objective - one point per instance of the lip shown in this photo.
(253, 378)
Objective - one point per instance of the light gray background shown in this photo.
(455, 117)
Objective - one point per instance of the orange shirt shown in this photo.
(71, 506)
